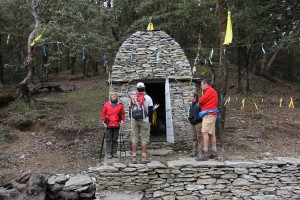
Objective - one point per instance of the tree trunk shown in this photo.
(1, 64)
(95, 68)
(72, 64)
(222, 72)
(11, 59)
(265, 65)
(30, 58)
(243, 72)
(222, 76)
(68, 59)
(270, 63)
(85, 67)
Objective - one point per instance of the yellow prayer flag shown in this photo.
(154, 117)
(150, 27)
(36, 40)
(228, 35)
(280, 104)
(255, 105)
(291, 103)
(227, 101)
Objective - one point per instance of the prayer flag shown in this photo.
(150, 27)
(36, 40)
(228, 35)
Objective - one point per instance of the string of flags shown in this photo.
(227, 40)
(150, 27)
(104, 59)
(44, 50)
(256, 105)
(39, 38)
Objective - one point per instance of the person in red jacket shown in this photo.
(209, 105)
(113, 116)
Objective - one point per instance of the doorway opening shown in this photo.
(157, 92)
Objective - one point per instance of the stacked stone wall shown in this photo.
(179, 93)
(150, 55)
(188, 179)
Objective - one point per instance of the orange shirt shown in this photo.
(209, 100)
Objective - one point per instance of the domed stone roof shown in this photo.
(150, 55)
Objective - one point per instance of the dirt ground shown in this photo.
(65, 147)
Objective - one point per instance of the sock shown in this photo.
(214, 148)
(205, 149)
(144, 154)
(134, 154)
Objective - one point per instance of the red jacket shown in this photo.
(113, 114)
(209, 100)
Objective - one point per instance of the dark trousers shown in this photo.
(111, 139)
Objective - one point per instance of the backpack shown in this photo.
(138, 106)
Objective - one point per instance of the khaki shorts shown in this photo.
(209, 124)
(141, 130)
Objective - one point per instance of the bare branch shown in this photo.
(44, 7)
(47, 4)
(34, 4)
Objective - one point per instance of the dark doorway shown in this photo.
(157, 92)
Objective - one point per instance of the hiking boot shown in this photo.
(145, 159)
(203, 157)
(213, 155)
(194, 154)
(133, 160)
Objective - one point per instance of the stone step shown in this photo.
(109, 195)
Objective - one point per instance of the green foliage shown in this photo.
(87, 114)
(274, 23)
(24, 106)
(5, 134)
(259, 114)
(71, 25)
(85, 104)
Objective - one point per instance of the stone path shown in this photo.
(151, 152)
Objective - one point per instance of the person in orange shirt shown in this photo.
(209, 108)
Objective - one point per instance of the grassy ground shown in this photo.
(59, 132)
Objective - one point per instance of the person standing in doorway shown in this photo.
(113, 116)
(196, 125)
(141, 125)
(209, 105)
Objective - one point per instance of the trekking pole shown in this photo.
(122, 147)
(102, 145)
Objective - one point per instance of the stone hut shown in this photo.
(156, 59)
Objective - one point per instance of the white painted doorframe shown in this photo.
(169, 120)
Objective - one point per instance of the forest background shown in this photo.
(85, 35)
